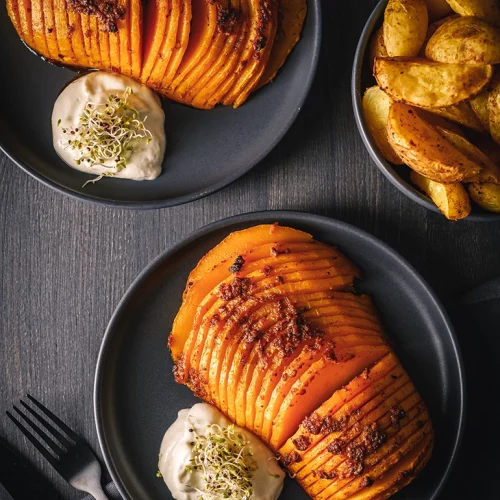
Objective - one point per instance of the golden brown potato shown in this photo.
(438, 120)
(377, 46)
(438, 9)
(423, 148)
(434, 27)
(486, 195)
(494, 110)
(405, 27)
(489, 171)
(451, 199)
(479, 105)
(430, 84)
(461, 113)
(466, 40)
(486, 9)
(376, 106)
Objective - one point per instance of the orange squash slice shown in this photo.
(270, 332)
(263, 24)
(291, 16)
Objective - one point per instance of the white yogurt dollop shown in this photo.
(177, 451)
(145, 161)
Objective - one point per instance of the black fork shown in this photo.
(64, 449)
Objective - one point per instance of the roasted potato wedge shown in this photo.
(430, 84)
(423, 148)
(486, 195)
(405, 27)
(461, 113)
(377, 46)
(451, 199)
(438, 9)
(376, 106)
(466, 40)
(494, 110)
(485, 9)
(438, 120)
(479, 105)
(434, 27)
(489, 171)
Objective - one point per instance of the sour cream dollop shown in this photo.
(144, 155)
(177, 452)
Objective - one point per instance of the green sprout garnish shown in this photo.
(225, 460)
(108, 134)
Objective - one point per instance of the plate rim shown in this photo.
(387, 169)
(186, 198)
(299, 216)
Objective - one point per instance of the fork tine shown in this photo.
(75, 438)
(64, 441)
(40, 433)
(48, 456)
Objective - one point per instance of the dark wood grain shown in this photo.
(65, 264)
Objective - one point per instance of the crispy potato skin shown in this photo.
(433, 28)
(438, 9)
(489, 171)
(488, 10)
(376, 106)
(462, 114)
(423, 149)
(466, 40)
(439, 120)
(405, 27)
(494, 110)
(377, 46)
(430, 84)
(451, 199)
(479, 105)
(486, 195)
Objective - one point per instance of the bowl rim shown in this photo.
(383, 165)
(12, 152)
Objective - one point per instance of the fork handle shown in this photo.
(90, 485)
(98, 494)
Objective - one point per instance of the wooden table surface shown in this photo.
(65, 264)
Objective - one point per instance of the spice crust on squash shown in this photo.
(270, 332)
(197, 52)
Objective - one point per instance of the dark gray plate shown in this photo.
(206, 150)
(362, 78)
(136, 398)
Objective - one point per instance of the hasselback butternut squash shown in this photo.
(270, 332)
(291, 18)
(136, 36)
(364, 420)
(77, 38)
(38, 27)
(197, 52)
(183, 34)
(169, 40)
(204, 94)
(203, 26)
(186, 90)
(263, 23)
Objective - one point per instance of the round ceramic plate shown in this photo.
(136, 398)
(206, 150)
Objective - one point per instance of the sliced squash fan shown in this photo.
(197, 52)
(271, 333)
